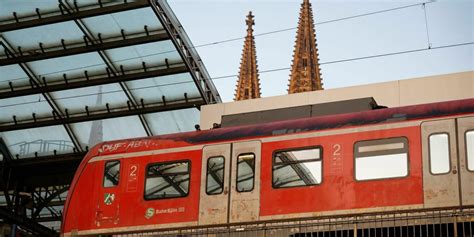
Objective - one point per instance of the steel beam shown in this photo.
(56, 203)
(116, 42)
(69, 8)
(44, 203)
(5, 172)
(26, 223)
(42, 171)
(34, 80)
(82, 13)
(91, 81)
(102, 114)
(7, 157)
(48, 219)
(25, 163)
(187, 51)
(53, 213)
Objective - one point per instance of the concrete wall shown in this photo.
(392, 94)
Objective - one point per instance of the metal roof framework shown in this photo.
(73, 74)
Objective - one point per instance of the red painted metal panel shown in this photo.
(81, 201)
(133, 208)
(339, 190)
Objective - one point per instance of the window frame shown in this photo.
(321, 152)
(449, 152)
(164, 163)
(223, 175)
(465, 147)
(380, 141)
(237, 172)
(103, 173)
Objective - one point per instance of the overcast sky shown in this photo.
(449, 22)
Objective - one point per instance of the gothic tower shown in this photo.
(248, 85)
(305, 71)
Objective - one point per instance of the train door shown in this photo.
(214, 197)
(245, 182)
(466, 158)
(108, 200)
(440, 163)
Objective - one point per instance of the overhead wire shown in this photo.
(263, 71)
(234, 39)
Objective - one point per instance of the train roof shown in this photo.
(386, 115)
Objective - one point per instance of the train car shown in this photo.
(387, 160)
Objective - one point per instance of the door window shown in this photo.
(470, 149)
(215, 175)
(245, 172)
(439, 153)
(111, 173)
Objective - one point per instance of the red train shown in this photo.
(404, 158)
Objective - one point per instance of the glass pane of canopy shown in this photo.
(92, 132)
(49, 35)
(91, 3)
(44, 141)
(23, 107)
(73, 66)
(172, 87)
(153, 54)
(95, 98)
(25, 8)
(130, 21)
(12, 73)
(173, 121)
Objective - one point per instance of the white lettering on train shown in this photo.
(170, 210)
(136, 144)
(111, 147)
(126, 145)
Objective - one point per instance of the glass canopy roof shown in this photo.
(68, 59)
(75, 73)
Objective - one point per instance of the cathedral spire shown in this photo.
(305, 71)
(248, 85)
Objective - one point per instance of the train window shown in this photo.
(167, 180)
(439, 153)
(381, 159)
(297, 167)
(470, 149)
(111, 173)
(245, 172)
(215, 175)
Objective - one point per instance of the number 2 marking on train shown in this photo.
(133, 170)
(337, 150)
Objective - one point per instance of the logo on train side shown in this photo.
(149, 213)
(109, 198)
